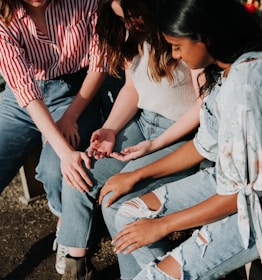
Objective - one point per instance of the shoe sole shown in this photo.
(60, 270)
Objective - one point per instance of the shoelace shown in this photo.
(63, 250)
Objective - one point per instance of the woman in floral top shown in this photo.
(223, 201)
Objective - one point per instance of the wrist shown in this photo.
(73, 116)
(110, 129)
(64, 150)
(155, 145)
(139, 175)
(165, 226)
(158, 143)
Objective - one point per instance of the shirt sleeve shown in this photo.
(205, 140)
(205, 144)
(15, 70)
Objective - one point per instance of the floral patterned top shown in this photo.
(230, 134)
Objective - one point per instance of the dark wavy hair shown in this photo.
(140, 22)
(225, 26)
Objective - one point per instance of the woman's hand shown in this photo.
(74, 172)
(69, 129)
(102, 143)
(133, 152)
(138, 234)
(119, 184)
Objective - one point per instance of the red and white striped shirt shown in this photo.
(27, 55)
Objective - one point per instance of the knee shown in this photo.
(48, 159)
(171, 266)
(48, 169)
(167, 268)
(68, 193)
(146, 206)
(74, 200)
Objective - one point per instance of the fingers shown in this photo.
(107, 188)
(76, 175)
(91, 151)
(92, 148)
(86, 160)
(74, 140)
(94, 136)
(104, 191)
(83, 175)
(126, 247)
(111, 199)
(128, 150)
(98, 154)
(125, 242)
(75, 181)
(99, 150)
(101, 196)
(72, 136)
(118, 237)
(124, 156)
(118, 156)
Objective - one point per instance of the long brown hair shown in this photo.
(139, 18)
(8, 7)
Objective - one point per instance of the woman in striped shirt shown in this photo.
(49, 58)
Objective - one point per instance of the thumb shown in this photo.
(86, 160)
(111, 199)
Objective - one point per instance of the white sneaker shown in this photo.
(61, 252)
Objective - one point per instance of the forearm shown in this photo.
(183, 126)
(123, 111)
(125, 106)
(44, 121)
(181, 159)
(213, 209)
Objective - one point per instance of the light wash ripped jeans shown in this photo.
(79, 208)
(19, 135)
(224, 250)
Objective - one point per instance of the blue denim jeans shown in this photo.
(19, 135)
(223, 252)
(78, 208)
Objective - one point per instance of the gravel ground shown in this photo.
(26, 238)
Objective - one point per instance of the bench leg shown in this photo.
(32, 188)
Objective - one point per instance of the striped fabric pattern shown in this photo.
(27, 55)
